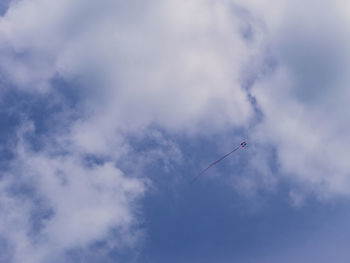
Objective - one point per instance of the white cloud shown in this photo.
(72, 204)
(162, 66)
(304, 100)
(173, 65)
(177, 65)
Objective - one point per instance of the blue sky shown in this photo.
(109, 109)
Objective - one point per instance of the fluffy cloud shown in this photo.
(186, 67)
(303, 99)
(172, 66)
(52, 204)
(177, 65)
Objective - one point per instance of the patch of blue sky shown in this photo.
(209, 223)
(43, 110)
(4, 4)
(6, 250)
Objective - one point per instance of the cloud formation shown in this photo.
(133, 65)
(303, 99)
(51, 204)
(157, 64)
(188, 68)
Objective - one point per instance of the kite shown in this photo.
(242, 145)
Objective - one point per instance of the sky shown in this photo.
(109, 109)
